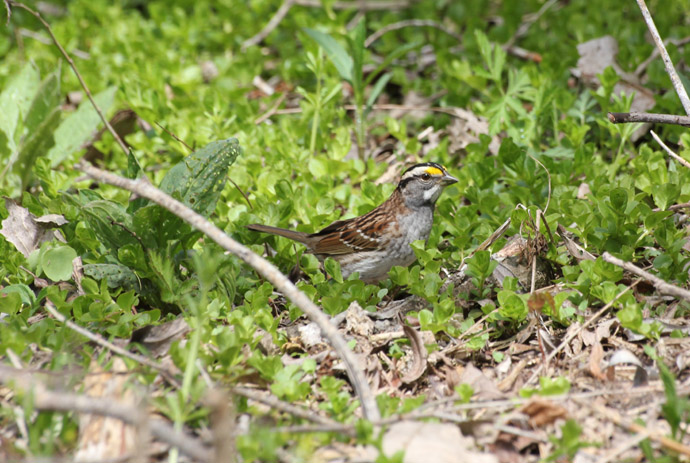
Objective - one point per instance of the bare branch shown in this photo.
(524, 27)
(262, 266)
(272, 24)
(669, 151)
(44, 399)
(655, 54)
(110, 346)
(662, 286)
(624, 118)
(675, 80)
(577, 332)
(410, 23)
(361, 5)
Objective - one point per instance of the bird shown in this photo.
(373, 243)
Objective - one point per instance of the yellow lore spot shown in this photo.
(433, 171)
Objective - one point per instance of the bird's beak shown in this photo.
(448, 179)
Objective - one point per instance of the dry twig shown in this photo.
(636, 428)
(675, 80)
(44, 399)
(110, 346)
(262, 266)
(410, 23)
(575, 333)
(669, 151)
(361, 5)
(623, 118)
(524, 27)
(272, 24)
(662, 286)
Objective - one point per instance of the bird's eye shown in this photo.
(426, 177)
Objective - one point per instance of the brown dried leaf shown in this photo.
(595, 358)
(419, 355)
(484, 388)
(542, 412)
(26, 231)
(357, 321)
(432, 442)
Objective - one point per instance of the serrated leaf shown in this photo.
(337, 54)
(79, 127)
(57, 263)
(199, 178)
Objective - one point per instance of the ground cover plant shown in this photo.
(545, 319)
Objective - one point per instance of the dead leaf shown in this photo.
(542, 412)
(466, 128)
(419, 355)
(357, 321)
(574, 249)
(483, 387)
(432, 442)
(26, 231)
(595, 358)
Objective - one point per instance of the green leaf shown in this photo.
(337, 54)
(376, 91)
(15, 102)
(10, 302)
(26, 294)
(79, 126)
(116, 276)
(199, 178)
(333, 269)
(57, 262)
(45, 101)
(111, 223)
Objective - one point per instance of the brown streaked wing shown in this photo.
(348, 236)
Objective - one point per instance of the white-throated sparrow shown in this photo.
(373, 243)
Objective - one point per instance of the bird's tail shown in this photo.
(300, 237)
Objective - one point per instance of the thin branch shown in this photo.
(272, 24)
(70, 61)
(656, 436)
(110, 346)
(278, 404)
(675, 80)
(271, 111)
(175, 137)
(577, 332)
(262, 266)
(655, 53)
(410, 23)
(623, 118)
(44, 399)
(360, 5)
(669, 151)
(662, 286)
(524, 27)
